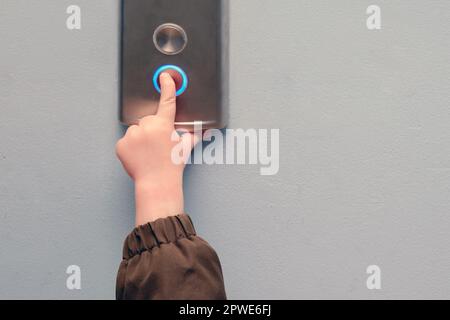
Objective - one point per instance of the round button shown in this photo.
(178, 75)
(170, 38)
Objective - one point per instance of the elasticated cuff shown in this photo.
(153, 234)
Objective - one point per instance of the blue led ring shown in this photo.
(163, 68)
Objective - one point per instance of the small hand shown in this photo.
(146, 154)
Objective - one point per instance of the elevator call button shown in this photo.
(178, 75)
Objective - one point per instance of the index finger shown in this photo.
(167, 105)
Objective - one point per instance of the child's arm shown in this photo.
(163, 258)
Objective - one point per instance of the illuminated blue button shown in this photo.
(167, 67)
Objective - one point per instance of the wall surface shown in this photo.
(364, 144)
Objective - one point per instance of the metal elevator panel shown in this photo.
(189, 34)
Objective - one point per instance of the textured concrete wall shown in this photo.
(364, 144)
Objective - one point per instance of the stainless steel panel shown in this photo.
(190, 34)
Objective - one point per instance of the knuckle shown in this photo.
(148, 129)
(133, 132)
(168, 101)
(120, 145)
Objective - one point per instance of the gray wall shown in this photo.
(365, 167)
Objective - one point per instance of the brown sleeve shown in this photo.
(165, 259)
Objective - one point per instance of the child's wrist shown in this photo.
(156, 200)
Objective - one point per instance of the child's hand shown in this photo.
(146, 154)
